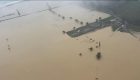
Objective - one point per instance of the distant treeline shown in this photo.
(128, 10)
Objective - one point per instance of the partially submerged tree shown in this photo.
(80, 54)
(91, 48)
(98, 55)
(63, 32)
(63, 17)
(81, 22)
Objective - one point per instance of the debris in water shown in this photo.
(81, 22)
(7, 39)
(97, 78)
(70, 17)
(76, 20)
(74, 28)
(91, 39)
(80, 54)
(87, 23)
(63, 17)
(9, 48)
(98, 55)
(91, 48)
(63, 32)
(100, 18)
(97, 46)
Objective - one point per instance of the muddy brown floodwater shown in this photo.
(40, 51)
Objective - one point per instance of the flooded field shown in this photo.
(33, 47)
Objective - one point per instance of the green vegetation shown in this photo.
(127, 10)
